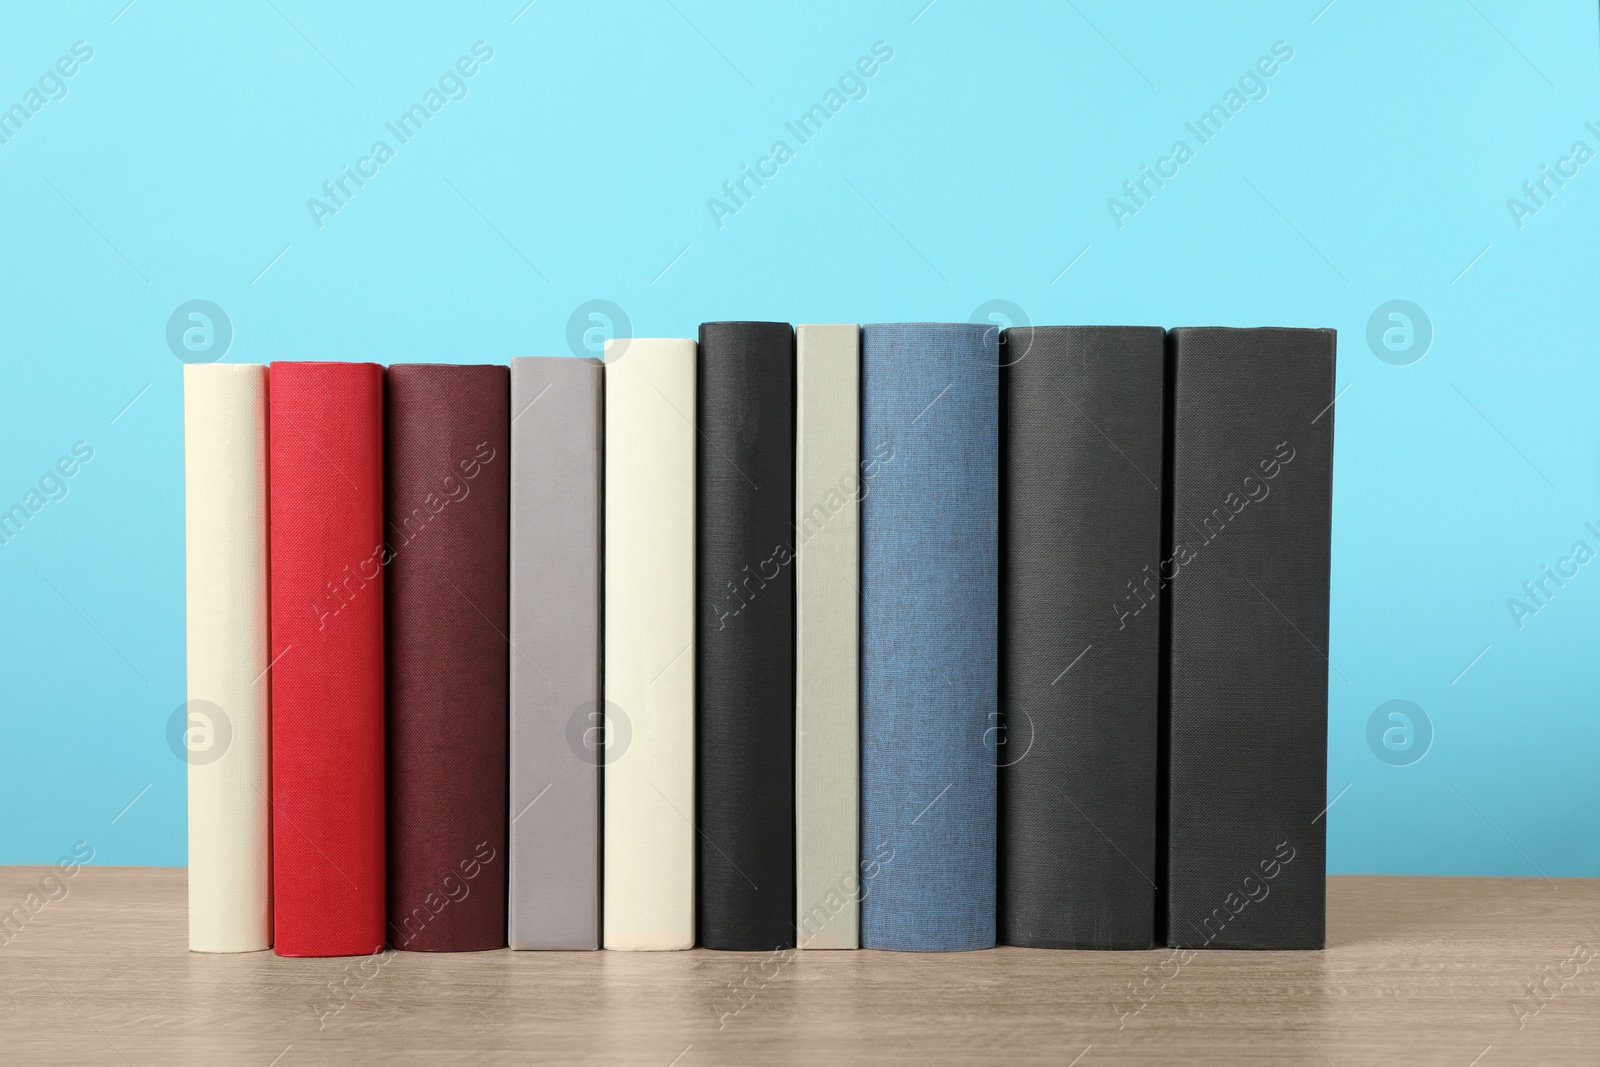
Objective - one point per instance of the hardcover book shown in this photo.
(745, 635)
(830, 480)
(557, 719)
(448, 456)
(649, 619)
(1081, 625)
(1246, 573)
(326, 561)
(929, 585)
(226, 719)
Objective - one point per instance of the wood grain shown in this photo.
(1418, 971)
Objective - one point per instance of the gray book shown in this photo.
(557, 720)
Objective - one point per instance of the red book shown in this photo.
(325, 500)
(449, 493)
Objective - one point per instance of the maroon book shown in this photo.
(447, 553)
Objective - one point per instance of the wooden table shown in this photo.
(1418, 971)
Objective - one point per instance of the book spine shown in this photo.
(830, 480)
(556, 713)
(326, 560)
(1246, 576)
(448, 459)
(745, 636)
(1080, 618)
(929, 539)
(649, 839)
(226, 718)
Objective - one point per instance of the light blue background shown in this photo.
(977, 168)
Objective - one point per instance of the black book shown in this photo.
(745, 636)
(1245, 572)
(1080, 619)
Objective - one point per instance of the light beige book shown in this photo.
(649, 899)
(226, 718)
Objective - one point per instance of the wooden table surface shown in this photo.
(1418, 971)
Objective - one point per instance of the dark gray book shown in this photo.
(557, 412)
(1080, 619)
(1246, 576)
(744, 645)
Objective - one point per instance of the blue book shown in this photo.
(930, 402)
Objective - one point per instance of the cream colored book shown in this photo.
(649, 900)
(829, 481)
(227, 719)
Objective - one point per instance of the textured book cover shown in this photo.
(829, 483)
(1081, 625)
(745, 636)
(929, 585)
(325, 478)
(1246, 573)
(226, 728)
(448, 458)
(556, 713)
(649, 619)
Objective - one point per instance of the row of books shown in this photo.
(909, 636)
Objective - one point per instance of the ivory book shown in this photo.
(650, 839)
(227, 719)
